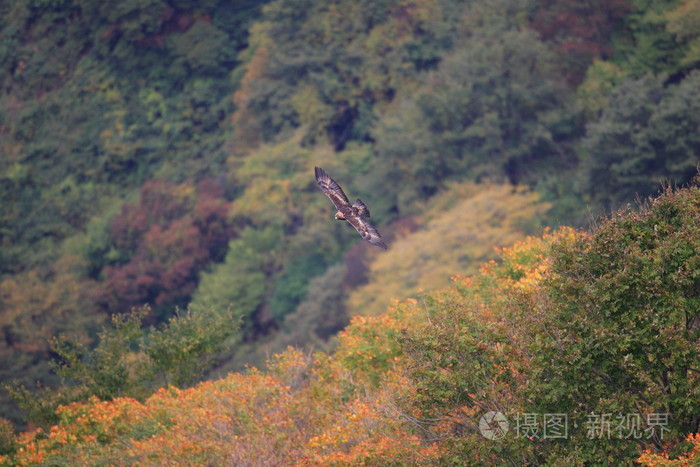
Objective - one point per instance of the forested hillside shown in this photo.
(160, 224)
(600, 329)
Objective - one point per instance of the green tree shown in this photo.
(572, 323)
(241, 281)
(621, 333)
(326, 66)
(35, 306)
(684, 24)
(320, 315)
(647, 134)
(95, 100)
(644, 44)
(131, 360)
(292, 284)
(495, 108)
(579, 32)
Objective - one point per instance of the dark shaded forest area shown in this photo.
(159, 220)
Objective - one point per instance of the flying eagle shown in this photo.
(355, 214)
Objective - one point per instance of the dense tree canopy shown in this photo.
(569, 323)
(646, 135)
(161, 153)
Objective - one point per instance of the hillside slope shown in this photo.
(570, 323)
(159, 154)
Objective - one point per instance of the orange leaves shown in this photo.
(364, 433)
(692, 458)
(302, 409)
(369, 346)
(84, 427)
(401, 386)
(526, 261)
(28, 452)
(306, 409)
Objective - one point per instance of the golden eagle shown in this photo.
(355, 214)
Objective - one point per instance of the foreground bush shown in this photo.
(588, 343)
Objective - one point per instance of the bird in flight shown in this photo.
(355, 214)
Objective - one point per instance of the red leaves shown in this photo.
(579, 31)
(166, 238)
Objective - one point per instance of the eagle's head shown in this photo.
(339, 216)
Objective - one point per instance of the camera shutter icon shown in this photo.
(493, 425)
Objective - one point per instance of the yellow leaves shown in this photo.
(601, 79)
(523, 264)
(459, 232)
(259, 196)
(277, 179)
(311, 109)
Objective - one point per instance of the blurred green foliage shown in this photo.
(645, 136)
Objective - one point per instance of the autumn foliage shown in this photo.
(301, 410)
(579, 32)
(116, 117)
(663, 459)
(158, 155)
(408, 386)
(161, 242)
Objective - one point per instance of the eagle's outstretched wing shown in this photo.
(367, 230)
(361, 208)
(331, 188)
